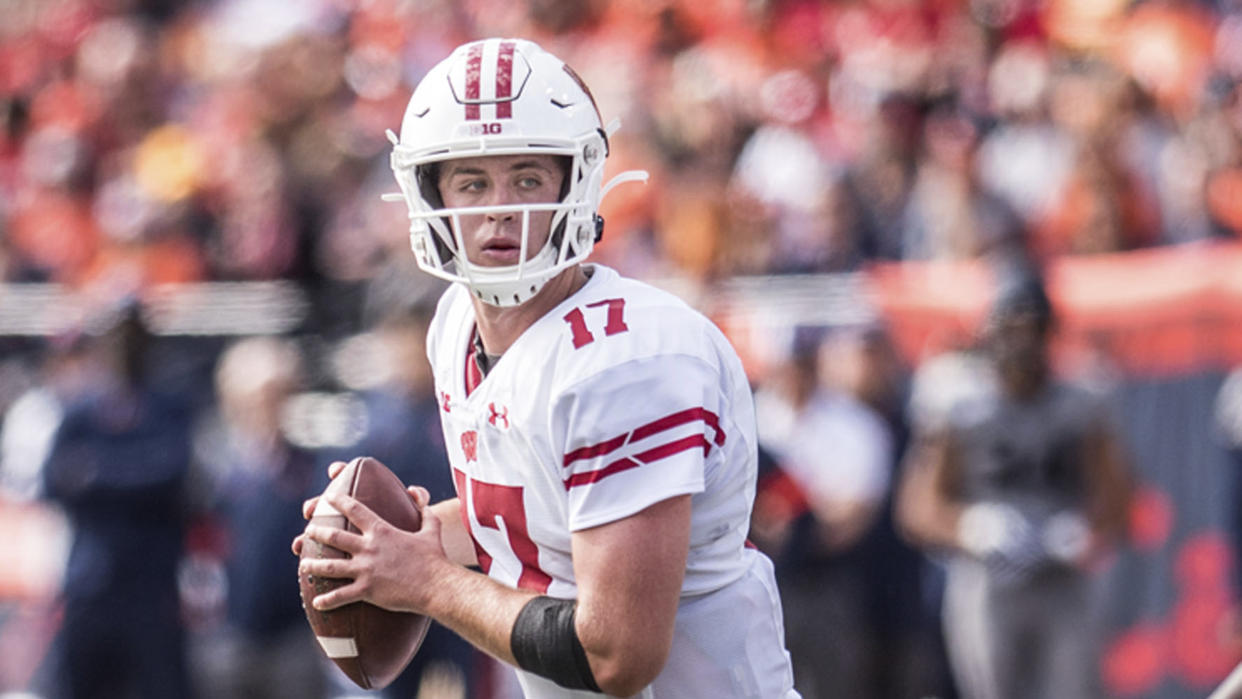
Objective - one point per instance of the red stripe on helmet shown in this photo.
(474, 65)
(504, 81)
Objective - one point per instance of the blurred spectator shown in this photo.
(118, 466)
(29, 425)
(834, 454)
(878, 180)
(228, 139)
(949, 215)
(1228, 415)
(902, 586)
(262, 646)
(1024, 483)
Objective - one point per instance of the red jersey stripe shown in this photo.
(654, 427)
(474, 65)
(596, 449)
(504, 81)
(666, 450)
(459, 483)
(593, 476)
(651, 455)
(681, 418)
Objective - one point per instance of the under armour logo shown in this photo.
(498, 415)
(470, 445)
(444, 401)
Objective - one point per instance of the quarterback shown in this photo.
(601, 433)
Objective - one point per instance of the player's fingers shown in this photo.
(339, 539)
(298, 542)
(421, 496)
(360, 515)
(308, 507)
(336, 467)
(327, 567)
(339, 597)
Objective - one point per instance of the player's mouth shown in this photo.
(501, 251)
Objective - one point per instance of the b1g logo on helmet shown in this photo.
(492, 76)
(491, 128)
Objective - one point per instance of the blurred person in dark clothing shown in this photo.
(814, 507)
(1228, 414)
(118, 466)
(258, 480)
(1024, 483)
(902, 589)
(948, 214)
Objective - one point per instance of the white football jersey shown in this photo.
(620, 397)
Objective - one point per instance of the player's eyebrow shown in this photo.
(462, 170)
(529, 164)
(532, 164)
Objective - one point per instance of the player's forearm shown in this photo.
(478, 609)
(1111, 487)
(934, 525)
(924, 514)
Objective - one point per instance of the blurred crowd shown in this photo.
(145, 142)
(148, 141)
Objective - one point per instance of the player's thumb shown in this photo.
(422, 498)
(430, 525)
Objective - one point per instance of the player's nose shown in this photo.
(502, 196)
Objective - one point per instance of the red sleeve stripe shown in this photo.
(666, 450)
(654, 427)
(596, 449)
(681, 418)
(661, 452)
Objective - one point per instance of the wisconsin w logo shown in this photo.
(470, 445)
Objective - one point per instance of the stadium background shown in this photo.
(814, 164)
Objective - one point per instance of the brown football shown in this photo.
(371, 645)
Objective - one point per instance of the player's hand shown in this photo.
(1008, 543)
(308, 506)
(1068, 539)
(389, 567)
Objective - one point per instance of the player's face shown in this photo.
(1017, 343)
(495, 239)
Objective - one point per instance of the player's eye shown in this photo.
(529, 182)
(472, 186)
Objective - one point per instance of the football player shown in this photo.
(1025, 482)
(601, 432)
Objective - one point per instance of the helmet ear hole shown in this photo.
(428, 180)
(567, 173)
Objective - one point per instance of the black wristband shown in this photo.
(545, 642)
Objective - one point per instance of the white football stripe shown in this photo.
(487, 72)
(338, 647)
(324, 508)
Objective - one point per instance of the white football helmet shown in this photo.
(502, 97)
